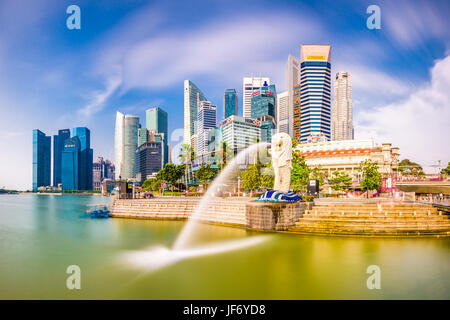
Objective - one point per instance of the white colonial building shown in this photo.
(346, 155)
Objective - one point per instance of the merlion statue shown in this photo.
(282, 161)
(282, 165)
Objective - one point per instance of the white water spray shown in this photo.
(158, 257)
(188, 231)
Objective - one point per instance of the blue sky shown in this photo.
(132, 55)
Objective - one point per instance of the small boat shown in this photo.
(97, 211)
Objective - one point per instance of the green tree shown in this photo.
(251, 178)
(408, 168)
(170, 174)
(371, 178)
(205, 174)
(300, 171)
(152, 184)
(446, 171)
(223, 150)
(340, 181)
(316, 173)
(267, 176)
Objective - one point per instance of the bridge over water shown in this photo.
(434, 187)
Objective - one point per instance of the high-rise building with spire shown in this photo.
(192, 95)
(292, 79)
(342, 109)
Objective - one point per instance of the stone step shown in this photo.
(353, 226)
(372, 213)
(376, 218)
(371, 209)
(377, 215)
(372, 205)
(370, 233)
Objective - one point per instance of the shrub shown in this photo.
(194, 194)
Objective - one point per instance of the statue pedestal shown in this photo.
(273, 215)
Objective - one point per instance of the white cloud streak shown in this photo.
(419, 124)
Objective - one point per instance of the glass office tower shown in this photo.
(315, 82)
(263, 108)
(130, 134)
(58, 147)
(230, 103)
(156, 119)
(70, 164)
(85, 159)
(206, 119)
(41, 159)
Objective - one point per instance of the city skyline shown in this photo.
(389, 97)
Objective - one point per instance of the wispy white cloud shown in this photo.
(411, 24)
(98, 98)
(222, 50)
(418, 124)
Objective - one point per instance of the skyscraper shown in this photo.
(315, 81)
(192, 95)
(119, 144)
(131, 126)
(263, 108)
(292, 79)
(297, 113)
(125, 144)
(230, 103)
(85, 159)
(70, 164)
(156, 119)
(239, 132)
(250, 84)
(142, 136)
(58, 146)
(41, 159)
(342, 110)
(283, 112)
(150, 159)
(206, 119)
(101, 170)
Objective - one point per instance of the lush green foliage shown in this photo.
(446, 171)
(205, 173)
(152, 184)
(340, 181)
(317, 173)
(300, 172)
(371, 178)
(171, 173)
(409, 168)
(267, 176)
(251, 179)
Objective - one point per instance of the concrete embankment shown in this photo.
(344, 219)
(225, 212)
(370, 219)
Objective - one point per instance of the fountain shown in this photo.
(155, 258)
(280, 208)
